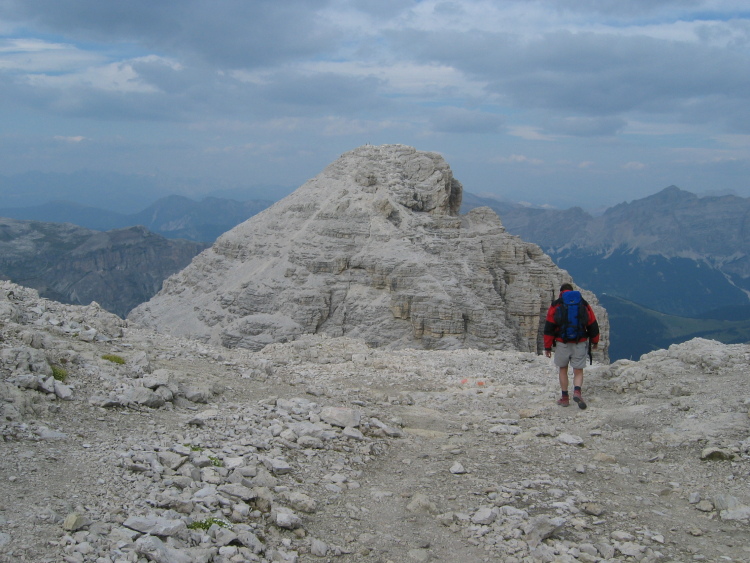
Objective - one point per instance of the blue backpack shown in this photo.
(571, 317)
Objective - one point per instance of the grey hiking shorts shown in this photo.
(571, 353)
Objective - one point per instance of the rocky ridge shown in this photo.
(671, 223)
(371, 248)
(674, 232)
(155, 448)
(118, 269)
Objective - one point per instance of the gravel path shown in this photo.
(325, 450)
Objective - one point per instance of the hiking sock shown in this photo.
(564, 393)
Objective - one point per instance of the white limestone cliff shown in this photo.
(373, 248)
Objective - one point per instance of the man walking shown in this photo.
(569, 326)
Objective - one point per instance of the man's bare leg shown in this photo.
(564, 378)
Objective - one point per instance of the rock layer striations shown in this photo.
(373, 248)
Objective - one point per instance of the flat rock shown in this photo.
(156, 525)
(341, 416)
(570, 439)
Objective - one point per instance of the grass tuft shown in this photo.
(207, 523)
(114, 358)
(59, 373)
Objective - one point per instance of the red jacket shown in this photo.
(552, 330)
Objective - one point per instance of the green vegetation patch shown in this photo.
(207, 523)
(114, 358)
(59, 373)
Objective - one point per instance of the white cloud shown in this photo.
(736, 141)
(658, 127)
(724, 34)
(529, 133)
(112, 77)
(633, 166)
(255, 149)
(28, 55)
(404, 78)
(702, 155)
(119, 76)
(74, 139)
(517, 159)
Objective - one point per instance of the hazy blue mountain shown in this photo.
(86, 216)
(122, 193)
(672, 253)
(179, 217)
(174, 216)
(542, 226)
(118, 269)
(107, 190)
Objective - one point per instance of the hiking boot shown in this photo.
(578, 399)
(564, 401)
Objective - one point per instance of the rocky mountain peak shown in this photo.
(419, 181)
(373, 247)
(662, 202)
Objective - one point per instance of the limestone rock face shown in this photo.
(373, 248)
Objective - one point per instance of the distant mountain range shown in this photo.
(123, 193)
(118, 269)
(667, 267)
(668, 256)
(174, 217)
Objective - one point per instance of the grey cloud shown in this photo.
(449, 9)
(188, 93)
(623, 8)
(585, 126)
(383, 8)
(165, 77)
(82, 100)
(344, 94)
(459, 120)
(227, 33)
(109, 105)
(586, 73)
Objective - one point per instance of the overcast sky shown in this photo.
(563, 102)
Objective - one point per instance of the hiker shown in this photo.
(571, 327)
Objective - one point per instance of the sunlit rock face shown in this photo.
(373, 247)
